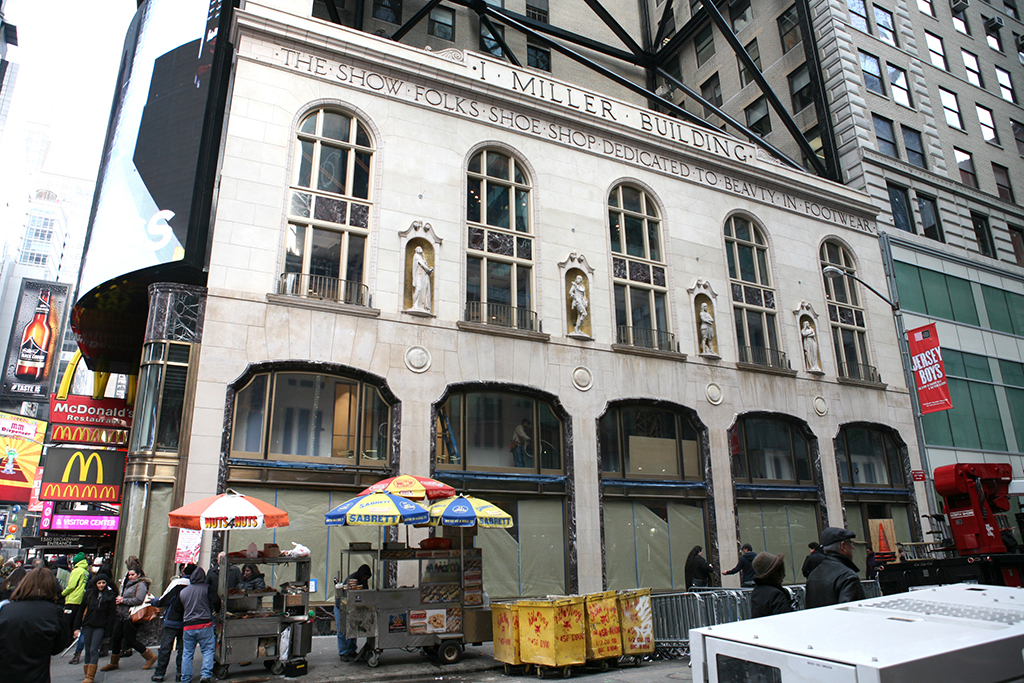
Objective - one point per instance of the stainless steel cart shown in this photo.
(440, 616)
(251, 626)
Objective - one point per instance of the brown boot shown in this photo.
(90, 673)
(150, 659)
(114, 659)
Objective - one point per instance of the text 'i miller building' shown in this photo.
(611, 323)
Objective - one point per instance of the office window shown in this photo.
(640, 284)
(995, 41)
(965, 162)
(442, 23)
(755, 56)
(960, 23)
(988, 124)
(643, 439)
(1005, 85)
(900, 87)
(769, 449)
(899, 204)
(936, 51)
(973, 69)
(741, 15)
(704, 44)
(1011, 9)
(1002, 176)
(813, 137)
(800, 88)
(388, 10)
(869, 457)
(538, 57)
(872, 73)
(936, 294)
(789, 29)
(915, 147)
(858, 15)
(884, 24)
(758, 119)
(930, 225)
(537, 10)
(1017, 240)
(712, 92)
(886, 136)
(1018, 135)
(753, 297)
(983, 233)
(926, 7)
(952, 109)
(488, 42)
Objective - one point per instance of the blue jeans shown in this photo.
(207, 642)
(346, 646)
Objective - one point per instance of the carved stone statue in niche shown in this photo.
(707, 330)
(421, 272)
(579, 301)
(809, 339)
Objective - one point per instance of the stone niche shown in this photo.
(419, 235)
(705, 316)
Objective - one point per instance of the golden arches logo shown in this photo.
(84, 492)
(83, 467)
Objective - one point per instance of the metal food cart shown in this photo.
(249, 630)
(440, 615)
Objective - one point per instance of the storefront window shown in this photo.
(639, 441)
(529, 557)
(864, 519)
(770, 449)
(493, 430)
(868, 457)
(162, 389)
(646, 542)
(780, 527)
(299, 416)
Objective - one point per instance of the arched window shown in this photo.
(845, 314)
(641, 288)
(648, 442)
(306, 416)
(868, 457)
(329, 209)
(753, 297)
(766, 449)
(499, 258)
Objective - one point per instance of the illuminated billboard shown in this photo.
(21, 445)
(33, 351)
(83, 474)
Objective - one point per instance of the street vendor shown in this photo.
(252, 579)
(357, 580)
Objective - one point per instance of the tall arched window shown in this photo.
(641, 288)
(499, 258)
(753, 297)
(846, 315)
(329, 209)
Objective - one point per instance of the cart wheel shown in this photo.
(540, 671)
(221, 671)
(566, 671)
(637, 659)
(374, 659)
(506, 670)
(449, 652)
(604, 665)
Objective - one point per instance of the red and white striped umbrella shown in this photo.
(227, 511)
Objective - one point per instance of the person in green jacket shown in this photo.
(75, 592)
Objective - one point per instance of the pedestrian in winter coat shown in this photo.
(174, 616)
(252, 579)
(32, 629)
(199, 600)
(73, 593)
(745, 565)
(835, 580)
(99, 609)
(134, 594)
(213, 575)
(697, 570)
(813, 559)
(768, 596)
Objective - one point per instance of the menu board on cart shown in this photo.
(435, 620)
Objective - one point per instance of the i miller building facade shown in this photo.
(537, 287)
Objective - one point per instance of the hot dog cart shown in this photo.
(440, 615)
(257, 625)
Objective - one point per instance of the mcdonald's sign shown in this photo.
(99, 436)
(83, 474)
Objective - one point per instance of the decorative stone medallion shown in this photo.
(582, 378)
(417, 359)
(714, 394)
(820, 406)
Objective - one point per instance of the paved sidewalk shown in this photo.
(324, 666)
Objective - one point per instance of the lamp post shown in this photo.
(832, 273)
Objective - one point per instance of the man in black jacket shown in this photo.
(835, 580)
(813, 559)
(746, 566)
(174, 614)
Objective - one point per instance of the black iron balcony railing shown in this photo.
(503, 315)
(760, 355)
(646, 338)
(861, 371)
(324, 288)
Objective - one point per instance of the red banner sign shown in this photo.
(929, 371)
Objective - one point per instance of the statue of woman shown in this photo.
(810, 342)
(578, 296)
(420, 281)
(707, 329)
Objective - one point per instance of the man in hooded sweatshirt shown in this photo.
(199, 601)
(174, 615)
(73, 594)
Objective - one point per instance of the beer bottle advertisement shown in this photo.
(33, 351)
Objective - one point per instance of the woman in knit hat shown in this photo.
(768, 596)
